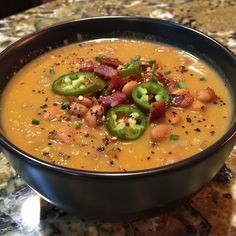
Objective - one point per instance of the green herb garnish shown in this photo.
(154, 68)
(137, 58)
(77, 124)
(65, 105)
(202, 78)
(174, 137)
(167, 72)
(105, 93)
(52, 71)
(100, 57)
(35, 122)
(182, 85)
(151, 62)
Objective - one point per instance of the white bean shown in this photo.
(197, 106)
(94, 115)
(206, 95)
(128, 88)
(77, 109)
(159, 132)
(49, 113)
(65, 135)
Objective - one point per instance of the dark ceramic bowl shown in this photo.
(130, 195)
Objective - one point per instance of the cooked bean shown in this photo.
(159, 132)
(127, 89)
(181, 92)
(172, 158)
(86, 102)
(206, 95)
(71, 98)
(185, 61)
(77, 109)
(197, 106)
(65, 135)
(94, 115)
(50, 113)
(174, 119)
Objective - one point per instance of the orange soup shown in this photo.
(115, 105)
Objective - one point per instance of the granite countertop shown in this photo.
(211, 212)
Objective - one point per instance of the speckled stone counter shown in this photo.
(211, 212)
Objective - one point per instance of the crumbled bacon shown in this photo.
(181, 100)
(137, 78)
(105, 71)
(113, 99)
(86, 65)
(168, 83)
(147, 76)
(113, 62)
(116, 83)
(157, 111)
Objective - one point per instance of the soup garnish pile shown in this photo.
(115, 105)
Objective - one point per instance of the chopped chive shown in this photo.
(167, 72)
(137, 58)
(77, 124)
(151, 62)
(174, 137)
(105, 93)
(182, 85)
(154, 68)
(154, 79)
(35, 122)
(98, 58)
(52, 71)
(65, 105)
(202, 78)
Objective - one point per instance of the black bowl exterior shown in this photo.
(131, 195)
(118, 197)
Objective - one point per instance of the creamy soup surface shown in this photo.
(73, 130)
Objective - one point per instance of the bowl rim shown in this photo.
(194, 159)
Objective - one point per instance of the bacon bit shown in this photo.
(147, 76)
(158, 111)
(112, 62)
(86, 65)
(113, 100)
(137, 78)
(105, 72)
(181, 100)
(168, 83)
(116, 83)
